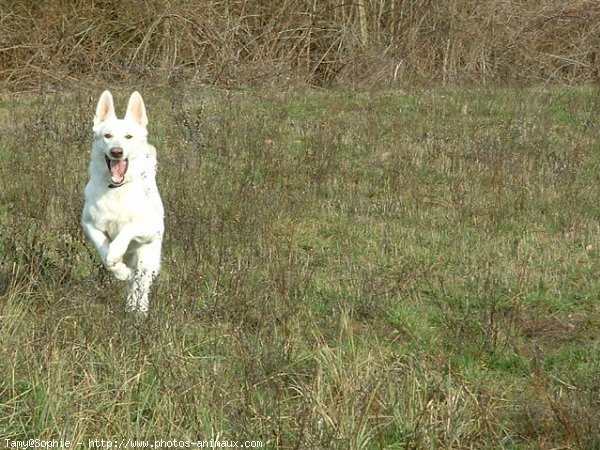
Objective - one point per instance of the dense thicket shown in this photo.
(229, 42)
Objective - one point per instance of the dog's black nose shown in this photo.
(116, 152)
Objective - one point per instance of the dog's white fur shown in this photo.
(125, 221)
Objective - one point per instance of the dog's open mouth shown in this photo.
(117, 169)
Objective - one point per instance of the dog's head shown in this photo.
(117, 141)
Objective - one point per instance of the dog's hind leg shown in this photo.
(147, 267)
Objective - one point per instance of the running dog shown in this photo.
(123, 214)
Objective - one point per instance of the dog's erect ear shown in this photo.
(105, 109)
(136, 110)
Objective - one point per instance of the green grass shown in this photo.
(362, 270)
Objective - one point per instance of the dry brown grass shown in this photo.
(55, 43)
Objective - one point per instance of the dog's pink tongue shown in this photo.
(117, 170)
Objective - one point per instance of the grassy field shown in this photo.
(374, 270)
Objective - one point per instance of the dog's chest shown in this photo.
(116, 207)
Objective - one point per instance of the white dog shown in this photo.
(123, 213)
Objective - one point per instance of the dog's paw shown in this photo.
(114, 255)
(120, 271)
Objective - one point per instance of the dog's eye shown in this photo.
(107, 135)
(128, 136)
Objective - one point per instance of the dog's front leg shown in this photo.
(103, 246)
(117, 248)
(115, 253)
(98, 238)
